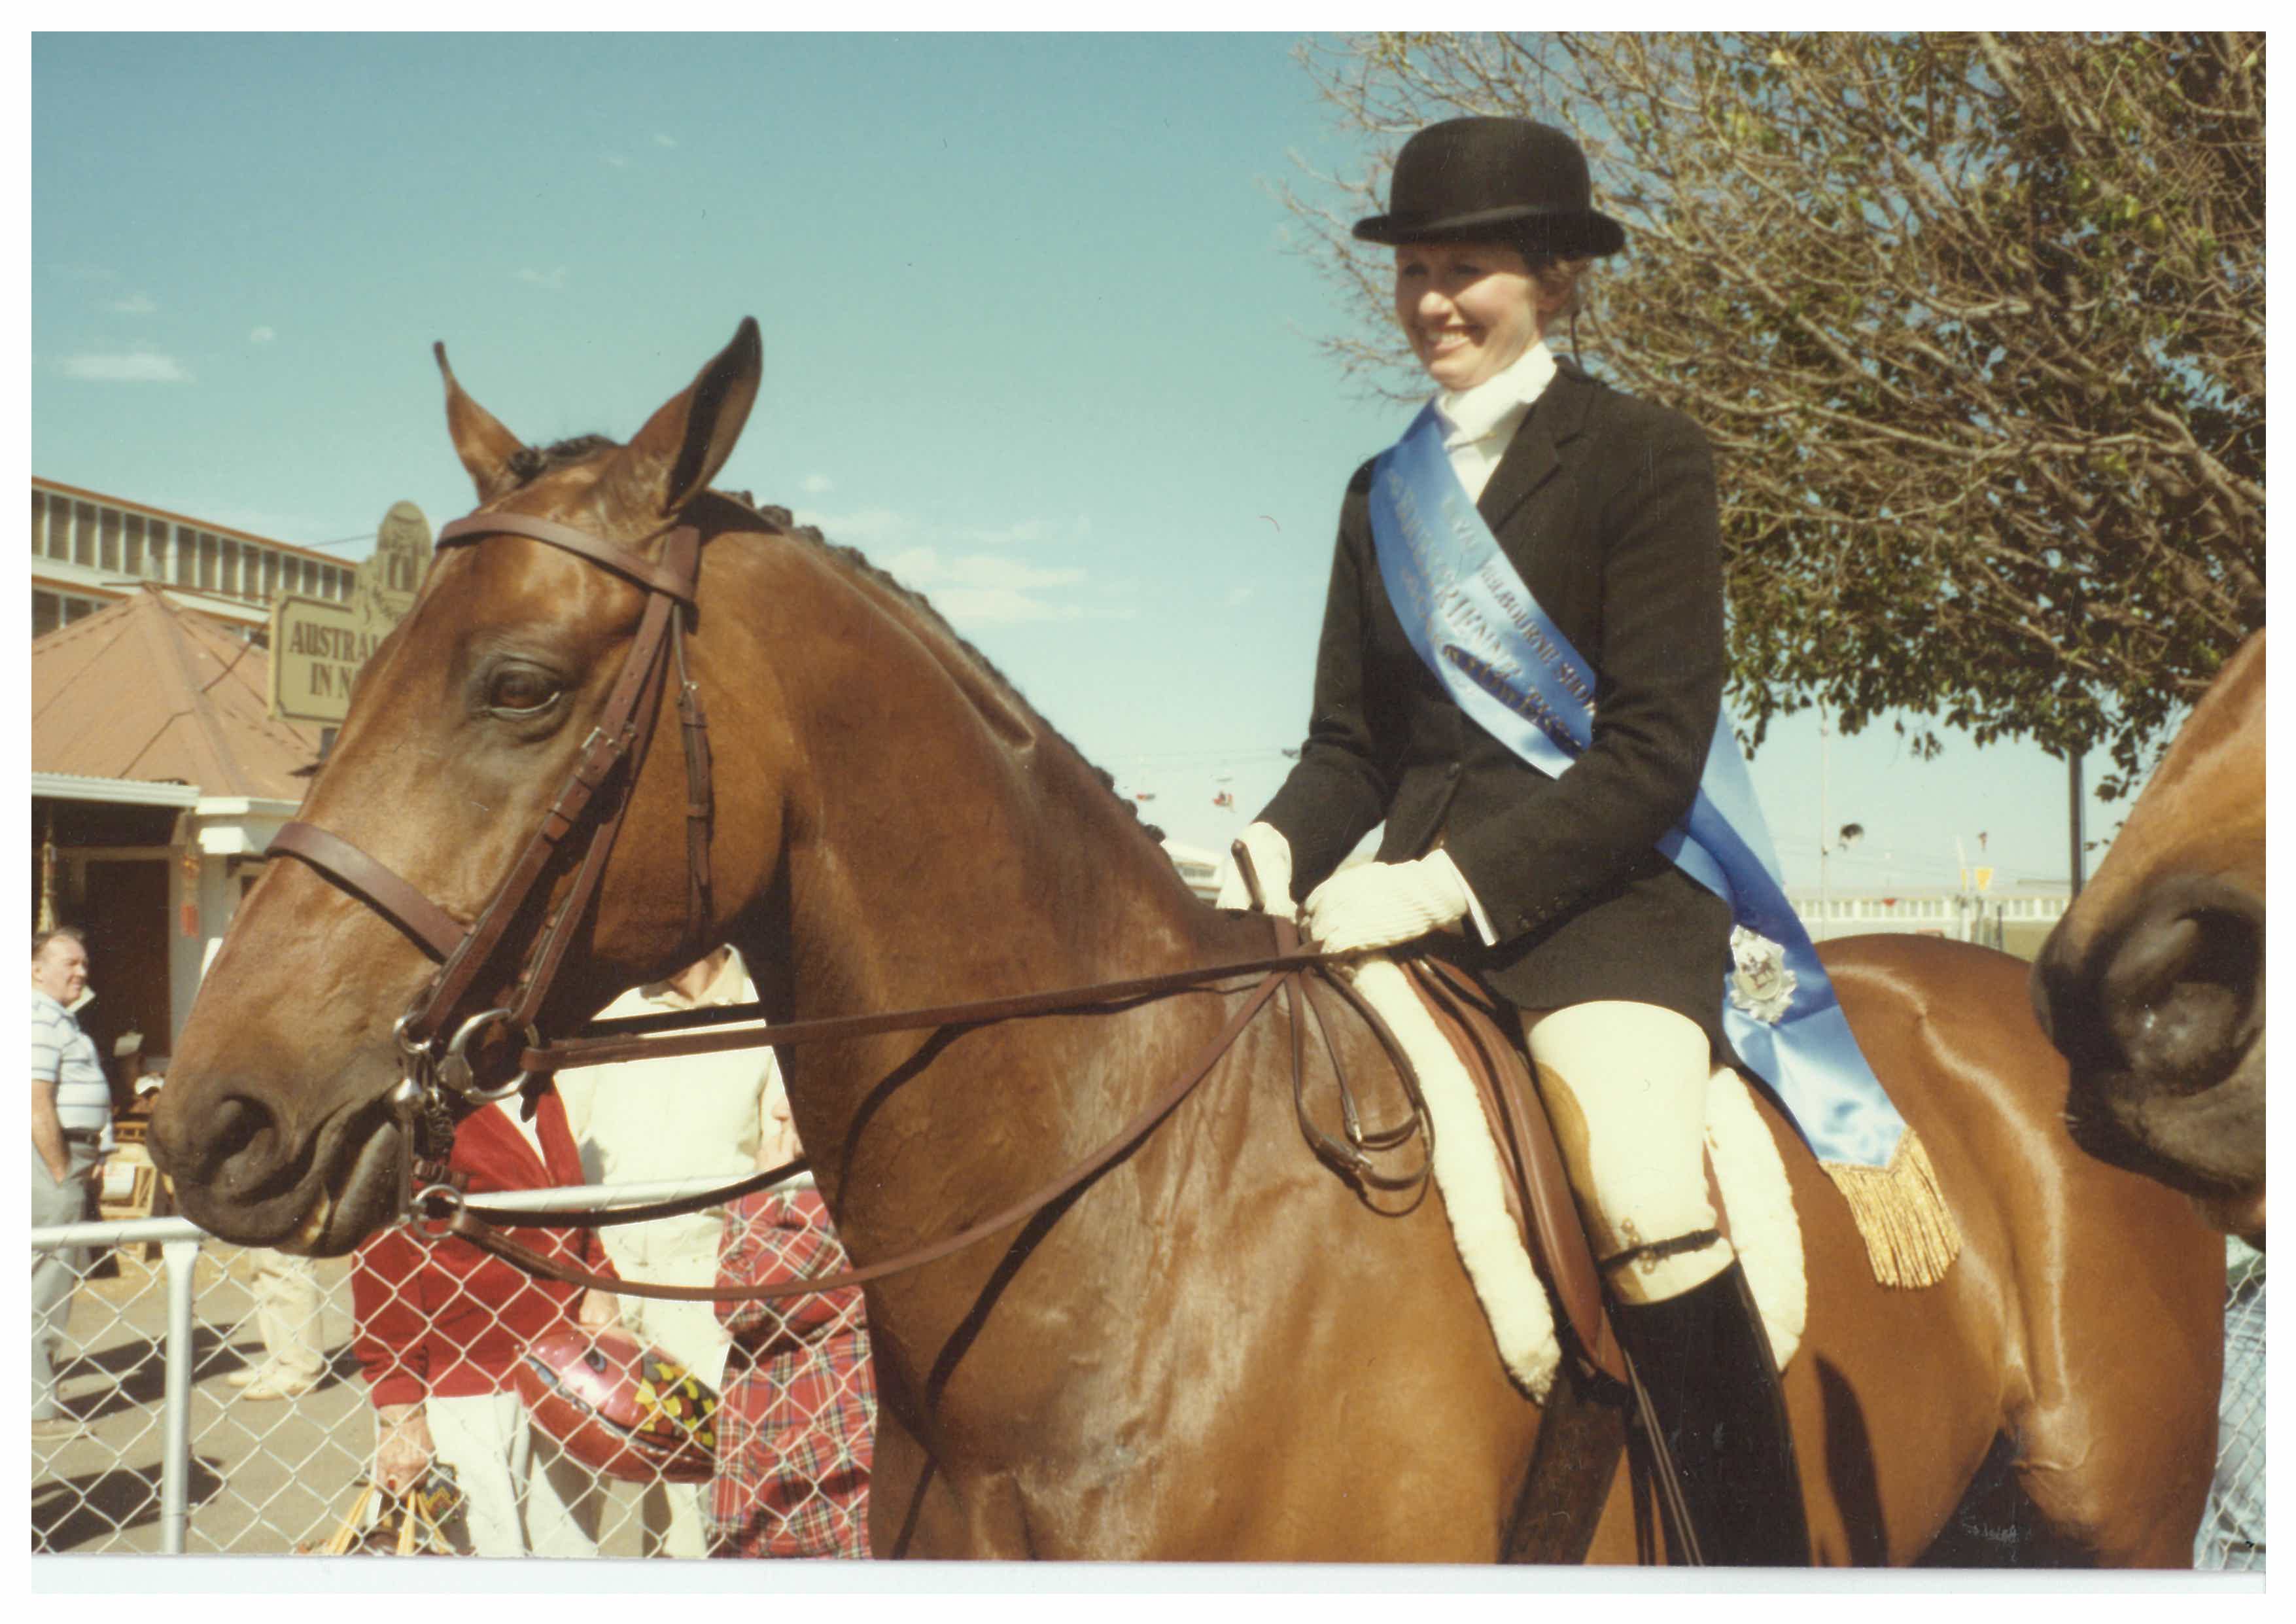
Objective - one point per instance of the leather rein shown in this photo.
(597, 789)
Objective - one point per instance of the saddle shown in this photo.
(1511, 1210)
(1483, 1031)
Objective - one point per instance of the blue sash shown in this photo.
(1476, 625)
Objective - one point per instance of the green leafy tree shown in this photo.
(1975, 322)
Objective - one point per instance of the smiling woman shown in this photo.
(1591, 518)
(1470, 309)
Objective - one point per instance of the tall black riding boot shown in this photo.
(1706, 1362)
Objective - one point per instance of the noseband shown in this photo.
(596, 792)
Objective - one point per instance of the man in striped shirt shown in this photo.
(71, 1131)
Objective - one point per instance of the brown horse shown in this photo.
(2153, 984)
(1216, 1348)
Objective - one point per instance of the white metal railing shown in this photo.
(186, 1479)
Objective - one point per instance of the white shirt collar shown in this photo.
(1472, 414)
(731, 984)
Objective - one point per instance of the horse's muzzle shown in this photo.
(239, 1175)
(2162, 1018)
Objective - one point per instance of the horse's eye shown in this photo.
(519, 690)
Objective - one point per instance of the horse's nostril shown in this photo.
(241, 1144)
(2184, 994)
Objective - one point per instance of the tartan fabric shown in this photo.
(796, 1424)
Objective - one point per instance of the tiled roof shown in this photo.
(148, 689)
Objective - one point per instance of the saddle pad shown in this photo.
(1531, 1177)
(1497, 1219)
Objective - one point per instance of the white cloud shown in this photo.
(262, 336)
(863, 527)
(1026, 530)
(553, 278)
(618, 160)
(815, 484)
(966, 607)
(1237, 598)
(128, 366)
(134, 304)
(989, 589)
(925, 567)
(971, 590)
(661, 140)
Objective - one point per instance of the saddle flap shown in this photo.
(1486, 1038)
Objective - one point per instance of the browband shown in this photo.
(660, 577)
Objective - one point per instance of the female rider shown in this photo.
(1605, 508)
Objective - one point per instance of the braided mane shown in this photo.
(531, 463)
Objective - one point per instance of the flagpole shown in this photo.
(1824, 833)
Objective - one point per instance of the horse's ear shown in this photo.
(484, 444)
(684, 445)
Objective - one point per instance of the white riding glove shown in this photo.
(1271, 861)
(1377, 905)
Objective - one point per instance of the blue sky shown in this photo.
(1034, 342)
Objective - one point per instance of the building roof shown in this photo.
(149, 689)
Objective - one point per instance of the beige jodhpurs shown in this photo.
(1625, 1085)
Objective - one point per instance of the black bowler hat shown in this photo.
(1507, 180)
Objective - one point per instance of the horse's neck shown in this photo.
(943, 845)
(952, 846)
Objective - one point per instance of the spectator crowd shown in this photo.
(440, 1326)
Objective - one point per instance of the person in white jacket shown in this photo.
(682, 1116)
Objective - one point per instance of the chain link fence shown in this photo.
(184, 1434)
(181, 1432)
(2232, 1531)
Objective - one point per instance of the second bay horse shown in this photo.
(1216, 1348)
(2153, 984)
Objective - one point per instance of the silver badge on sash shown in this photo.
(1760, 984)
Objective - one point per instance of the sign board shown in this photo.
(319, 644)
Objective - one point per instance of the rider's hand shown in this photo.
(1378, 904)
(1271, 862)
(402, 1446)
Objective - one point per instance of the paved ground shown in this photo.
(265, 1476)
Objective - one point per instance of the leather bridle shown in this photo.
(597, 791)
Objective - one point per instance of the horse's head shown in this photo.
(274, 1124)
(2153, 984)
